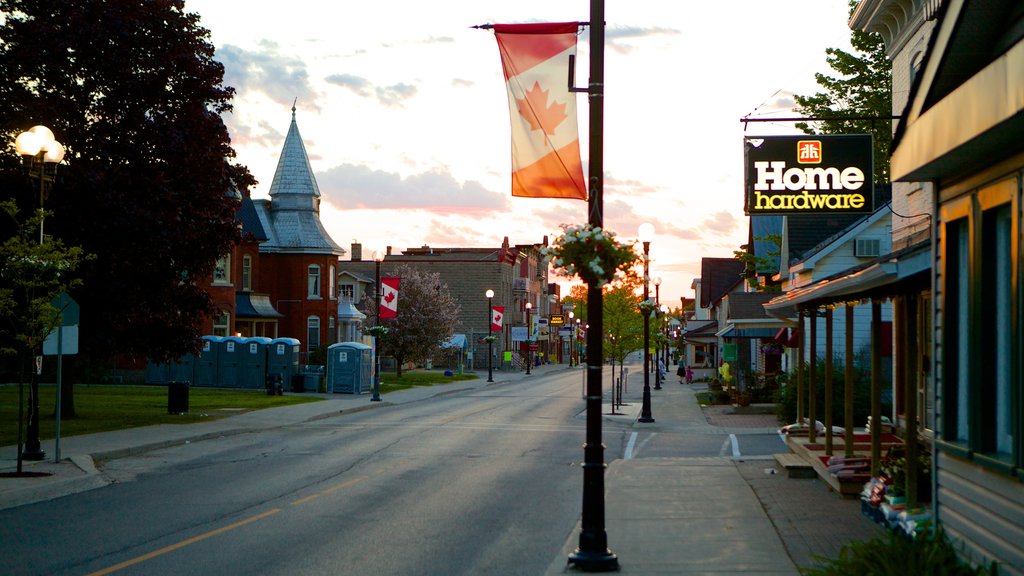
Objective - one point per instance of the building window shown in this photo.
(348, 292)
(980, 257)
(221, 323)
(997, 358)
(247, 273)
(222, 270)
(331, 329)
(312, 333)
(313, 281)
(332, 281)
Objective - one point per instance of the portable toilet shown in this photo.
(349, 368)
(283, 358)
(207, 364)
(253, 362)
(229, 372)
(157, 373)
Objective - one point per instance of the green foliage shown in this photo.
(862, 88)
(133, 92)
(895, 554)
(785, 396)
(592, 253)
(32, 274)
(623, 325)
(752, 263)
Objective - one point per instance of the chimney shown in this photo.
(389, 251)
(357, 252)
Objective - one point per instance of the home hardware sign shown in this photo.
(820, 174)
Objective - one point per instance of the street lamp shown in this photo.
(490, 339)
(41, 154)
(378, 332)
(645, 233)
(529, 331)
(571, 330)
(657, 351)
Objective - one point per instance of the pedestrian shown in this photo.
(681, 370)
(661, 369)
(689, 375)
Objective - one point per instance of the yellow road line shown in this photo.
(337, 487)
(184, 543)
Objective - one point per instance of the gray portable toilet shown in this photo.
(207, 365)
(349, 368)
(283, 358)
(253, 362)
(229, 372)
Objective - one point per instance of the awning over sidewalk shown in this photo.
(733, 331)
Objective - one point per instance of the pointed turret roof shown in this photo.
(292, 216)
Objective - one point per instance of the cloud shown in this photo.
(721, 223)
(392, 95)
(616, 36)
(357, 186)
(281, 77)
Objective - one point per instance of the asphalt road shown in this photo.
(482, 482)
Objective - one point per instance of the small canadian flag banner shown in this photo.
(497, 314)
(389, 298)
(545, 140)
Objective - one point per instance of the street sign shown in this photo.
(67, 308)
(557, 320)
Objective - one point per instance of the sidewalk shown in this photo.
(676, 515)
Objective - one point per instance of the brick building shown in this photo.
(516, 274)
(281, 280)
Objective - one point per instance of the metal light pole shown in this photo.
(41, 154)
(657, 351)
(529, 330)
(572, 328)
(646, 233)
(376, 339)
(490, 341)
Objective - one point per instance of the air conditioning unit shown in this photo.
(867, 247)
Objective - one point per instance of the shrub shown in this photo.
(895, 554)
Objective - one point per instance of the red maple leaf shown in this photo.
(389, 297)
(537, 112)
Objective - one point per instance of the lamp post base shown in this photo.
(588, 561)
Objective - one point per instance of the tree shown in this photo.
(623, 325)
(754, 264)
(427, 316)
(131, 88)
(863, 89)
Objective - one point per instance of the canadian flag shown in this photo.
(545, 141)
(389, 297)
(497, 314)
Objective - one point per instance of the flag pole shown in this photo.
(593, 554)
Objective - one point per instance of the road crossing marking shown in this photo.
(629, 447)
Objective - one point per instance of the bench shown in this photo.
(795, 466)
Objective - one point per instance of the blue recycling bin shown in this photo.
(229, 362)
(252, 366)
(207, 364)
(349, 368)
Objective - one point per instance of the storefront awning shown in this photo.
(456, 341)
(734, 331)
(249, 305)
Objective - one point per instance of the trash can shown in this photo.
(299, 383)
(177, 397)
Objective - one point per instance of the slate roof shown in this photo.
(717, 277)
(250, 220)
(291, 218)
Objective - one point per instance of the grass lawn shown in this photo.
(389, 381)
(103, 408)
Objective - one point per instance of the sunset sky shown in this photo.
(403, 111)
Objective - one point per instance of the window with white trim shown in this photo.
(247, 273)
(312, 333)
(222, 270)
(313, 281)
(221, 323)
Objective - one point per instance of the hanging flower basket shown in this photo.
(490, 339)
(591, 253)
(377, 332)
(772, 349)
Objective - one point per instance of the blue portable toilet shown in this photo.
(229, 362)
(157, 373)
(253, 362)
(207, 364)
(349, 368)
(283, 358)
